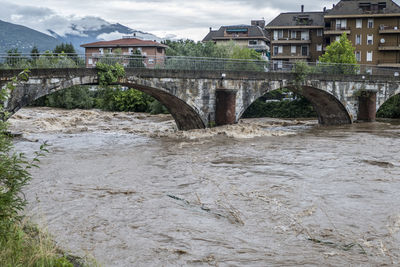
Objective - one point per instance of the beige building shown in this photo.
(153, 52)
(253, 36)
(296, 36)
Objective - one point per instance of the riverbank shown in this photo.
(25, 244)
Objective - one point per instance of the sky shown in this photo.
(165, 18)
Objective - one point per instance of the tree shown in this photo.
(69, 51)
(339, 57)
(212, 54)
(35, 52)
(64, 48)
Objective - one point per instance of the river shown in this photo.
(131, 190)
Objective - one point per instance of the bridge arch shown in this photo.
(185, 116)
(330, 110)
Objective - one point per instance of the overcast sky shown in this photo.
(183, 18)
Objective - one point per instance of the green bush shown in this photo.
(14, 168)
(131, 100)
(295, 108)
(390, 109)
(109, 74)
(109, 98)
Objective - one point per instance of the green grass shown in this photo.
(26, 245)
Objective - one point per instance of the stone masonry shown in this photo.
(190, 96)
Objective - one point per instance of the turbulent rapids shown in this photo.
(132, 190)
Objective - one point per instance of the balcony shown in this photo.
(336, 31)
(291, 41)
(388, 63)
(292, 56)
(388, 29)
(389, 46)
(258, 47)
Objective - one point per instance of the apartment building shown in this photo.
(373, 27)
(296, 36)
(153, 52)
(253, 36)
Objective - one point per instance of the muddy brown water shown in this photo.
(130, 190)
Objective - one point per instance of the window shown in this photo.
(280, 34)
(90, 61)
(370, 23)
(101, 51)
(358, 39)
(304, 50)
(252, 42)
(305, 35)
(278, 64)
(275, 50)
(109, 50)
(369, 56)
(151, 60)
(130, 50)
(280, 49)
(293, 34)
(293, 49)
(319, 47)
(337, 38)
(358, 56)
(341, 24)
(319, 32)
(370, 39)
(275, 35)
(359, 23)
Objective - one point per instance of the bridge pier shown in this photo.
(225, 110)
(367, 106)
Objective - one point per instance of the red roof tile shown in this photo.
(124, 43)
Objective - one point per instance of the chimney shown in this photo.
(333, 5)
(302, 8)
(324, 9)
(259, 22)
(210, 29)
(134, 34)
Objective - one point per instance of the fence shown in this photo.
(50, 60)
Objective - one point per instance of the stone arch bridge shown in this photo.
(196, 99)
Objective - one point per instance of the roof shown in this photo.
(254, 32)
(295, 19)
(125, 42)
(352, 7)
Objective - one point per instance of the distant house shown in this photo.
(296, 36)
(253, 36)
(151, 51)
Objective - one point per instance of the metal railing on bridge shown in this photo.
(51, 60)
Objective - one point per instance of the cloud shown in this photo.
(190, 19)
(110, 36)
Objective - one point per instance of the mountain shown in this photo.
(76, 31)
(24, 38)
(93, 29)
